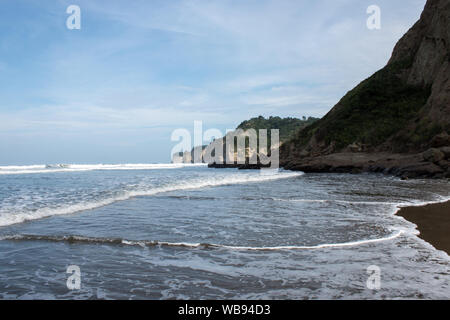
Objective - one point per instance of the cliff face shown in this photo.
(427, 45)
(286, 126)
(402, 109)
(196, 155)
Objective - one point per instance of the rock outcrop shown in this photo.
(401, 113)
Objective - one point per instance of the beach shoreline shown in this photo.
(433, 223)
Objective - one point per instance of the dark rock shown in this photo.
(422, 170)
(441, 140)
(447, 174)
(446, 152)
(433, 155)
(253, 166)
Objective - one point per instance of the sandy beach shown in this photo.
(433, 222)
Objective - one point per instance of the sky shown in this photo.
(114, 90)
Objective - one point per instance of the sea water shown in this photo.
(168, 231)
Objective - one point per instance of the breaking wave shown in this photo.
(147, 243)
(9, 218)
(52, 168)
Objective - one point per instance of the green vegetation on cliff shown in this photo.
(378, 108)
(287, 126)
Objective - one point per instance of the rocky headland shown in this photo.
(397, 121)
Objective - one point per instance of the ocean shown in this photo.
(176, 231)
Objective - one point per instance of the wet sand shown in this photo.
(433, 222)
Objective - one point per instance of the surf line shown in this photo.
(320, 246)
(118, 241)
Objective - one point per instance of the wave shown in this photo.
(19, 217)
(147, 243)
(193, 198)
(397, 205)
(336, 201)
(52, 168)
(250, 198)
(421, 203)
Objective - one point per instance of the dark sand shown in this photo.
(433, 222)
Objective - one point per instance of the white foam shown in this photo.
(32, 167)
(413, 230)
(320, 246)
(11, 170)
(337, 201)
(418, 203)
(144, 243)
(10, 218)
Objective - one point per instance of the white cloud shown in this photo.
(78, 118)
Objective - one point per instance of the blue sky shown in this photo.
(114, 91)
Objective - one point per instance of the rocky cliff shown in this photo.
(287, 128)
(398, 120)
